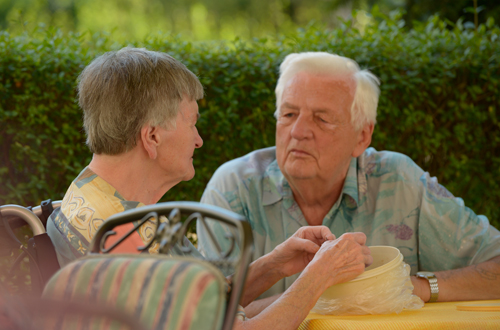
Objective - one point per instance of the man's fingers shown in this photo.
(322, 233)
(357, 237)
(326, 234)
(318, 234)
(301, 244)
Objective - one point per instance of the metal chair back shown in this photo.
(170, 234)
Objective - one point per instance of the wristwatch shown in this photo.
(433, 282)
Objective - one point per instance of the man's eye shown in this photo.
(287, 117)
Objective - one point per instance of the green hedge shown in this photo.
(439, 104)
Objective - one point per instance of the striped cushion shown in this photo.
(162, 292)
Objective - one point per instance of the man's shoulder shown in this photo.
(252, 165)
(386, 158)
(380, 163)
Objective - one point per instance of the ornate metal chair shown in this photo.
(42, 258)
(20, 307)
(169, 290)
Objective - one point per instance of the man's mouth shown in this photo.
(299, 153)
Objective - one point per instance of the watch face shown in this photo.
(425, 273)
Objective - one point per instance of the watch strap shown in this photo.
(433, 283)
(434, 289)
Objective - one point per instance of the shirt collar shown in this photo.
(87, 175)
(351, 181)
(276, 187)
(273, 185)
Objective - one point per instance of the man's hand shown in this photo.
(341, 260)
(293, 255)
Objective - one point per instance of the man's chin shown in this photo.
(298, 172)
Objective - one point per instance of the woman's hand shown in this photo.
(341, 260)
(294, 254)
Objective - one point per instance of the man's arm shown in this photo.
(475, 282)
(459, 246)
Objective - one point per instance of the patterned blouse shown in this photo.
(87, 203)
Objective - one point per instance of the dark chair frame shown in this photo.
(167, 234)
(40, 250)
(173, 231)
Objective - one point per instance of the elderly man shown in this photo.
(140, 114)
(321, 173)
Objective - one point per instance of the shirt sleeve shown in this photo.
(219, 231)
(451, 235)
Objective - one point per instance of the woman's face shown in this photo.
(175, 154)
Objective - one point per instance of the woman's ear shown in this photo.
(150, 139)
(364, 140)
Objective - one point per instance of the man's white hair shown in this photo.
(364, 106)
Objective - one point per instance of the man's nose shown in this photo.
(302, 127)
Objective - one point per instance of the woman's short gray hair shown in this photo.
(121, 91)
(364, 107)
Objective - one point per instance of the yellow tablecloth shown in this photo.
(431, 316)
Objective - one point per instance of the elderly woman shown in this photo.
(140, 114)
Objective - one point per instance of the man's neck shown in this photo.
(316, 197)
(135, 177)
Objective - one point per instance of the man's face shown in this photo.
(314, 135)
(176, 151)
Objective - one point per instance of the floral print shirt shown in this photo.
(385, 195)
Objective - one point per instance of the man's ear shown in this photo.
(150, 139)
(364, 140)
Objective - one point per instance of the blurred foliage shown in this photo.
(15, 276)
(452, 10)
(216, 19)
(15, 280)
(439, 103)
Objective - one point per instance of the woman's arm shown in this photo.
(288, 258)
(336, 261)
